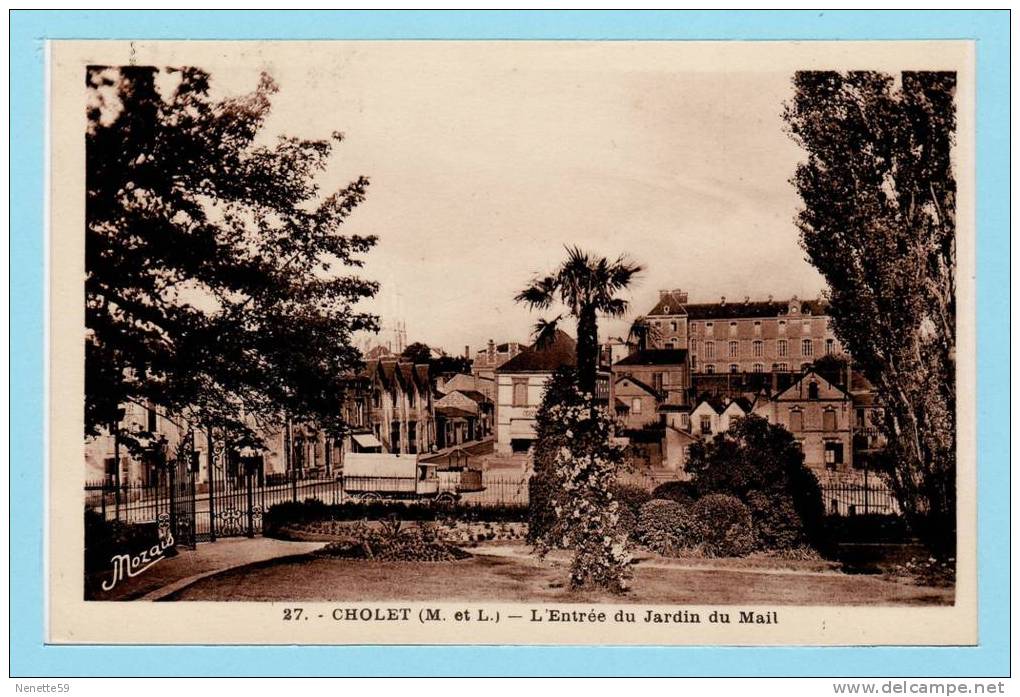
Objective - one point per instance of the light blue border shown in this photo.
(29, 29)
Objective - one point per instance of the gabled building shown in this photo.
(462, 415)
(820, 416)
(400, 406)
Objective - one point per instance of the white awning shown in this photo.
(366, 440)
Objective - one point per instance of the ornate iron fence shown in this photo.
(850, 499)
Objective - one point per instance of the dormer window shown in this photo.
(665, 309)
(812, 390)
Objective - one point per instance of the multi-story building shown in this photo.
(490, 358)
(649, 395)
(520, 384)
(400, 406)
(746, 336)
(820, 416)
(649, 385)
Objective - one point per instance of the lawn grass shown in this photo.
(528, 579)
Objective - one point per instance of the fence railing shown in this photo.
(141, 502)
(846, 499)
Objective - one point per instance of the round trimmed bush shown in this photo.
(777, 524)
(724, 526)
(665, 526)
(631, 496)
(681, 492)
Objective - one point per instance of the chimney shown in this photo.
(747, 299)
(467, 351)
(663, 295)
(680, 295)
(770, 297)
(722, 300)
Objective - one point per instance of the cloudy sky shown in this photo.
(485, 159)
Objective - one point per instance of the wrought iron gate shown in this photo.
(181, 499)
(231, 501)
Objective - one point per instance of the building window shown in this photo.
(806, 326)
(812, 390)
(657, 382)
(685, 420)
(734, 348)
(395, 437)
(782, 327)
(709, 349)
(807, 347)
(520, 393)
(709, 368)
(412, 437)
(150, 420)
(410, 397)
(758, 348)
(860, 418)
(733, 328)
(734, 367)
(635, 405)
(759, 368)
(782, 367)
(377, 399)
(782, 346)
(830, 347)
(833, 454)
(672, 326)
(829, 420)
(706, 425)
(709, 328)
(796, 420)
(757, 328)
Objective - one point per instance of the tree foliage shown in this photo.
(215, 283)
(879, 222)
(439, 362)
(756, 460)
(586, 286)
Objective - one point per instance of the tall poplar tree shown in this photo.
(879, 223)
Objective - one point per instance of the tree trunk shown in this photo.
(587, 350)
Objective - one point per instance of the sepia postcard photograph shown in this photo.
(512, 342)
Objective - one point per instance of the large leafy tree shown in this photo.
(879, 222)
(215, 280)
(761, 464)
(586, 286)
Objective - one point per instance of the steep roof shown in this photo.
(796, 390)
(655, 357)
(647, 388)
(670, 304)
(562, 351)
(753, 309)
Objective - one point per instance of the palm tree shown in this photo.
(644, 333)
(586, 285)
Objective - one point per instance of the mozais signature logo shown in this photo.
(128, 566)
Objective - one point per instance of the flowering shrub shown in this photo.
(574, 440)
